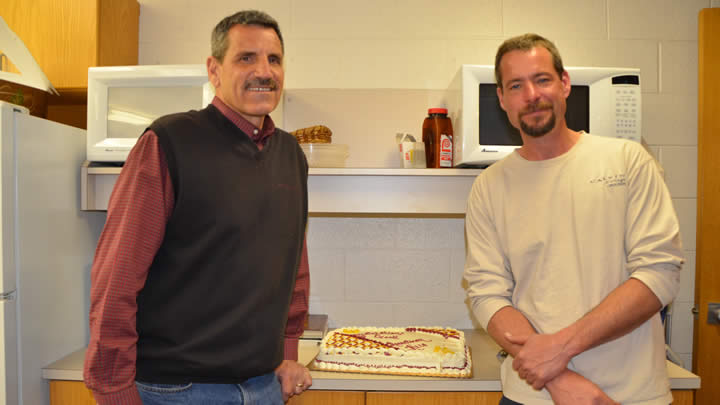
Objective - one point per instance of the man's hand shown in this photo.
(294, 378)
(541, 358)
(570, 388)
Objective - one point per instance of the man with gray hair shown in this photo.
(573, 247)
(200, 280)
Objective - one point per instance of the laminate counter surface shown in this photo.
(485, 376)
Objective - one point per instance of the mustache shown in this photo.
(539, 106)
(269, 82)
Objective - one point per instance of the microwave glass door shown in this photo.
(495, 128)
(132, 109)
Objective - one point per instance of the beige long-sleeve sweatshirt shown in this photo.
(553, 238)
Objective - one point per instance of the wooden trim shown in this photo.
(706, 354)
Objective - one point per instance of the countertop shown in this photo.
(485, 377)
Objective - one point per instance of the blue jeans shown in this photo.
(261, 390)
(507, 401)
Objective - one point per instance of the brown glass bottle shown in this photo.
(438, 138)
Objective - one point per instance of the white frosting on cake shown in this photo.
(412, 350)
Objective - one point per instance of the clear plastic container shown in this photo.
(325, 154)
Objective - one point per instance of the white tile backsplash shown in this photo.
(327, 279)
(390, 275)
(351, 233)
(398, 271)
(457, 283)
(454, 315)
(430, 233)
(353, 313)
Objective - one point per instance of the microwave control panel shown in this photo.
(626, 92)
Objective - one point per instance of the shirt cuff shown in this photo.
(485, 309)
(662, 279)
(127, 396)
(291, 349)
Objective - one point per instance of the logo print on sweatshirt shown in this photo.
(609, 181)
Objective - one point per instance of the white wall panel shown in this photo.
(680, 163)
(558, 19)
(322, 19)
(468, 52)
(313, 64)
(655, 19)
(455, 19)
(633, 54)
(682, 331)
(456, 315)
(669, 119)
(687, 280)
(686, 209)
(393, 64)
(679, 67)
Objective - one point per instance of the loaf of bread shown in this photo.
(313, 134)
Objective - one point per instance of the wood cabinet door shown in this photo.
(67, 36)
(433, 398)
(313, 397)
(706, 352)
(70, 393)
(683, 397)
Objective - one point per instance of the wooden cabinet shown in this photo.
(313, 397)
(70, 393)
(75, 393)
(433, 398)
(66, 37)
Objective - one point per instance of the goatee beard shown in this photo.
(538, 131)
(535, 130)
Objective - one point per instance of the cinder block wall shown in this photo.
(396, 271)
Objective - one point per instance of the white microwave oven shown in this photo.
(602, 101)
(124, 100)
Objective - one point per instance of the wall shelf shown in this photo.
(334, 191)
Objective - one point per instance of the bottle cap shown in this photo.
(437, 110)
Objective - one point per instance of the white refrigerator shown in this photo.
(46, 249)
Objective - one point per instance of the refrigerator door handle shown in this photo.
(8, 296)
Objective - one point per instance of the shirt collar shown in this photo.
(258, 135)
